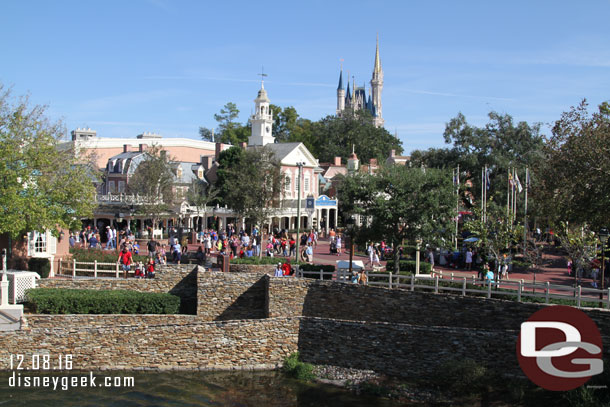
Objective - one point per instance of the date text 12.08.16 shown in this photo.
(43, 361)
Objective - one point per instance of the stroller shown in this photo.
(333, 247)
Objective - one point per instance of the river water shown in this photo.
(164, 389)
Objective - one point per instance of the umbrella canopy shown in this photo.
(344, 264)
(471, 239)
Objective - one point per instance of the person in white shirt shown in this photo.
(469, 259)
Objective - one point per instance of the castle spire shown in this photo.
(377, 68)
(340, 87)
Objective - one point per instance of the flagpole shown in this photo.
(457, 204)
(527, 179)
(485, 200)
(482, 190)
(514, 195)
(507, 194)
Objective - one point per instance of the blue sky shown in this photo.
(125, 67)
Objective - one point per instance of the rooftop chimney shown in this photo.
(243, 145)
(218, 150)
(207, 161)
(393, 153)
(142, 147)
(126, 148)
(337, 161)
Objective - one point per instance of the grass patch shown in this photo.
(294, 368)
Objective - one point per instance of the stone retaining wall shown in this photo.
(154, 341)
(314, 298)
(403, 349)
(225, 296)
(252, 268)
(396, 332)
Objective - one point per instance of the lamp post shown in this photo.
(298, 240)
(351, 223)
(603, 237)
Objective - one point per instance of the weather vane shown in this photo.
(262, 75)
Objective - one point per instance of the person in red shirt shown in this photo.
(125, 260)
(150, 270)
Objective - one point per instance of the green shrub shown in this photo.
(293, 367)
(40, 266)
(69, 301)
(408, 266)
(102, 256)
(257, 260)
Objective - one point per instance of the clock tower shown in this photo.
(261, 120)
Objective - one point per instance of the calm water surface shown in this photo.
(266, 389)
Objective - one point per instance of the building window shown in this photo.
(121, 187)
(306, 183)
(287, 184)
(41, 243)
(111, 188)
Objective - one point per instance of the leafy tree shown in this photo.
(43, 187)
(581, 245)
(153, 181)
(289, 127)
(253, 184)
(572, 182)
(500, 144)
(200, 193)
(230, 131)
(334, 137)
(228, 161)
(496, 234)
(207, 134)
(403, 204)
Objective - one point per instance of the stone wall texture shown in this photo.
(251, 320)
(322, 299)
(226, 296)
(252, 268)
(154, 341)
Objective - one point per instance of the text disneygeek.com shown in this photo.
(25, 367)
(17, 380)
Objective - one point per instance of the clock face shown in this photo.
(268, 129)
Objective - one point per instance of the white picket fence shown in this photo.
(463, 286)
(93, 269)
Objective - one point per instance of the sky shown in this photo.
(133, 66)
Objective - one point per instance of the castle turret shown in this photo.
(377, 88)
(340, 94)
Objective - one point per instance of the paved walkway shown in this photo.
(554, 267)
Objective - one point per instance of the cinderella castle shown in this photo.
(356, 99)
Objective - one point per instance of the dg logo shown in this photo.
(559, 348)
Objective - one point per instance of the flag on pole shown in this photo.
(527, 178)
(487, 178)
(518, 183)
(456, 177)
(510, 180)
